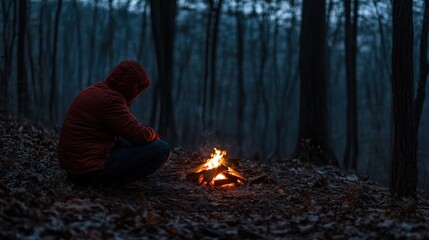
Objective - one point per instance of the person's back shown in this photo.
(89, 147)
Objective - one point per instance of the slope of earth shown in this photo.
(296, 200)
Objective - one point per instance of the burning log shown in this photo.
(212, 173)
(221, 182)
(216, 172)
(234, 173)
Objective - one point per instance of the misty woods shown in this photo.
(249, 76)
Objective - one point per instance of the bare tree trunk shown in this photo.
(291, 67)
(163, 13)
(335, 36)
(264, 32)
(384, 47)
(78, 30)
(32, 74)
(351, 151)
(424, 66)
(22, 83)
(241, 96)
(109, 39)
(206, 65)
(53, 95)
(313, 116)
(93, 40)
(40, 74)
(129, 32)
(142, 42)
(210, 66)
(403, 180)
(213, 61)
(276, 154)
(9, 37)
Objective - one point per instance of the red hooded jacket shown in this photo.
(99, 115)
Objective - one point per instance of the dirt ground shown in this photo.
(297, 200)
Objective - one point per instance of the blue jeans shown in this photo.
(128, 162)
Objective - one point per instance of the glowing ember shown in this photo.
(219, 177)
(216, 172)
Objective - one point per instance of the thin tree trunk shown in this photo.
(209, 94)
(424, 66)
(93, 40)
(9, 37)
(291, 71)
(22, 83)
(335, 37)
(143, 34)
(263, 31)
(351, 151)
(383, 41)
(277, 113)
(403, 182)
(206, 66)
(110, 37)
(78, 30)
(241, 96)
(47, 58)
(129, 32)
(213, 62)
(40, 74)
(32, 74)
(53, 95)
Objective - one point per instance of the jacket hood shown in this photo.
(129, 78)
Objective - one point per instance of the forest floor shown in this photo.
(297, 200)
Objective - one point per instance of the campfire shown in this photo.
(216, 172)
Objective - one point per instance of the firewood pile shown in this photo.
(216, 172)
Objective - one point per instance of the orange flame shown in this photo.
(216, 159)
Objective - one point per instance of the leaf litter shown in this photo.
(290, 199)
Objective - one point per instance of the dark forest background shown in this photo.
(235, 79)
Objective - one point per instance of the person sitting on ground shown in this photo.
(101, 141)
